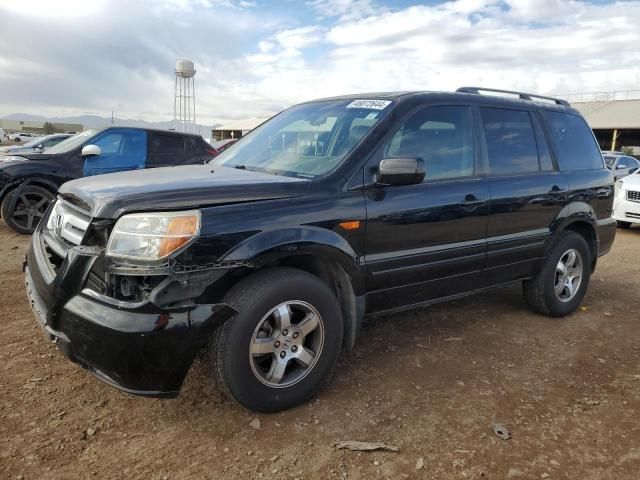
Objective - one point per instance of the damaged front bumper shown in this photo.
(138, 347)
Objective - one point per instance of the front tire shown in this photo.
(28, 210)
(561, 285)
(283, 344)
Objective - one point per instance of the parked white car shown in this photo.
(626, 205)
(21, 137)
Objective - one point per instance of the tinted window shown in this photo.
(573, 142)
(110, 142)
(511, 142)
(121, 150)
(544, 154)
(51, 142)
(628, 162)
(166, 144)
(442, 137)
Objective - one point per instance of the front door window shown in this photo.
(124, 149)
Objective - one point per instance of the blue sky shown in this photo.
(255, 57)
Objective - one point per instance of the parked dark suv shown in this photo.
(29, 181)
(271, 256)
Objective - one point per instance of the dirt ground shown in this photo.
(431, 382)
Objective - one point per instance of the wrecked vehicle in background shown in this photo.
(29, 180)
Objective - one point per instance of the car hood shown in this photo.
(36, 156)
(16, 150)
(174, 188)
(11, 158)
(631, 182)
(28, 154)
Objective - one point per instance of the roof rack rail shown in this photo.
(523, 96)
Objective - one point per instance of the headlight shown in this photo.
(153, 236)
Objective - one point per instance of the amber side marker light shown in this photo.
(180, 231)
(350, 225)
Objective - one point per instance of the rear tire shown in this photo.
(29, 209)
(561, 285)
(283, 344)
(624, 225)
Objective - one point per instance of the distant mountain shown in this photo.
(95, 121)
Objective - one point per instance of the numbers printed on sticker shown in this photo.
(370, 104)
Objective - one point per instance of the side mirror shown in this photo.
(400, 171)
(620, 167)
(91, 151)
(39, 147)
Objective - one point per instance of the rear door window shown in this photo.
(573, 142)
(511, 141)
(166, 144)
(166, 150)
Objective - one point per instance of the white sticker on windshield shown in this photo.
(370, 104)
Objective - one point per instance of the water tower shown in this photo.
(184, 97)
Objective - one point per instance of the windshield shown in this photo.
(34, 142)
(72, 142)
(306, 141)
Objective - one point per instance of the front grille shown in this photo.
(632, 215)
(633, 196)
(72, 199)
(68, 222)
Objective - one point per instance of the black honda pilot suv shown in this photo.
(269, 257)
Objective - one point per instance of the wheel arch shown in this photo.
(321, 252)
(23, 182)
(582, 220)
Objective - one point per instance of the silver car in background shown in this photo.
(37, 145)
(620, 164)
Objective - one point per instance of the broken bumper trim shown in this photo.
(139, 348)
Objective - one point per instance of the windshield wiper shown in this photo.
(249, 169)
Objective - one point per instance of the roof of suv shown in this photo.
(466, 92)
(153, 130)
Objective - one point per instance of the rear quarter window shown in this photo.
(166, 144)
(572, 142)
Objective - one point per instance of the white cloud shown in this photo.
(542, 10)
(345, 9)
(251, 61)
(298, 38)
(570, 46)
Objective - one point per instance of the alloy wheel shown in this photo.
(286, 344)
(568, 276)
(30, 208)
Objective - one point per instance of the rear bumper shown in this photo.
(137, 347)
